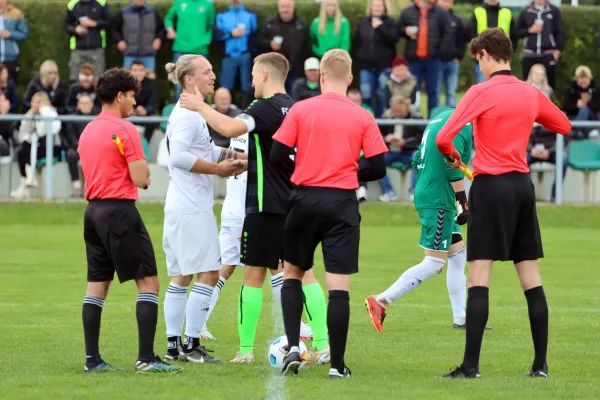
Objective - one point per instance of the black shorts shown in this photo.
(262, 240)
(502, 222)
(117, 240)
(327, 216)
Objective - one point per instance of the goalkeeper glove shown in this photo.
(463, 215)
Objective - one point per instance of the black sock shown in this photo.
(91, 315)
(190, 344)
(147, 315)
(538, 319)
(292, 301)
(477, 316)
(338, 319)
(173, 345)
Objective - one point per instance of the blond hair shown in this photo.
(337, 18)
(337, 64)
(275, 63)
(386, 3)
(176, 72)
(46, 68)
(544, 86)
(583, 71)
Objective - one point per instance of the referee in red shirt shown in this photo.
(502, 221)
(328, 132)
(114, 167)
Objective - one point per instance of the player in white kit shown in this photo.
(190, 237)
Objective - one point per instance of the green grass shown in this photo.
(42, 283)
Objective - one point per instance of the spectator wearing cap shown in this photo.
(139, 31)
(235, 27)
(425, 26)
(330, 30)
(451, 55)
(581, 100)
(14, 30)
(86, 82)
(374, 49)
(401, 82)
(222, 99)
(305, 88)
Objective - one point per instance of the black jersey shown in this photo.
(269, 186)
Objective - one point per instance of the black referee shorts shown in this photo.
(327, 216)
(117, 240)
(502, 222)
(262, 240)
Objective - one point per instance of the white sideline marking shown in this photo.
(275, 389)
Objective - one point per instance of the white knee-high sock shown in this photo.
(197, 308)
(215, 297)
(276, 282)
(174, 309)
(412, 278)
(457, 284)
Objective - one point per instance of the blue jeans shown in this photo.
(373, 83)
(149, 61)
(229, 71)
(178, 88)
(585, 114)
(551, 160)
(428, 69)
(479, 76)
(449, 78)
(394, 157)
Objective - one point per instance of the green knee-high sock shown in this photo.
(316, 312)
(249, 308)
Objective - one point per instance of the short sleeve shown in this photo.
(287, 133)
(248, 120)
(132, 144)
(372, 142)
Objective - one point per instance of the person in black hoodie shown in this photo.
(289, 35)
(85, 85)
(146, 99)
(374, 49)
(9, 89)
(7, 128)
(581, 101)
(47, 81)
(452, 55)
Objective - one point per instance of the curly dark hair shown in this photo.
(113, 81)
(495, 42)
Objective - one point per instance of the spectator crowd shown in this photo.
(390, 85)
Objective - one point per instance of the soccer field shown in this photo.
(42, 284)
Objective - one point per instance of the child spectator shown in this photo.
(47, 81)
(330, 30)
(9, 88)
(86, 84)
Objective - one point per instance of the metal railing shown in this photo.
(560, 143)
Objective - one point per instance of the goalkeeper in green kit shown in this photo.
(439, 188)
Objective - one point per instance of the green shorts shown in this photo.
(437, 227)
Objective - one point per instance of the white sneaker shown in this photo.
(31, 178)
(206, 335)
(388, 197)
(361, 193)
(247, 358)
(305, 332)
(22, 192)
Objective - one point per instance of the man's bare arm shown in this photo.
(227, 154)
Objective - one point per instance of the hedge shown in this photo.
(48, 39)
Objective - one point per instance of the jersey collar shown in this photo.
(503, 72)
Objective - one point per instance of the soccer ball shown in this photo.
(279, 349)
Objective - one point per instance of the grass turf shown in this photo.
(42, 283)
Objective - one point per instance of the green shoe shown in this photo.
(156, 366)
(102, 366)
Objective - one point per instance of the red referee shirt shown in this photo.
(503, 111)
(105, 170)
(328, 132)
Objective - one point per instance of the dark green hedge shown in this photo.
(48, 38)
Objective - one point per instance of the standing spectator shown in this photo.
(14, 30)
(402, 141)
(581, 101)
(190, 24)
(288, 35)
(308, 87)
(236, 27)
(223, 105)
(86, 82)
(86, 22)
(9, 88)
(491, 15)
(139, 31)
(355, 96)
(425, 26)
(47, 81)
(451, 55)
(540, 23)
(401, 81)
(330, 30)
(147, 98)
(70, 140)
(375, 48)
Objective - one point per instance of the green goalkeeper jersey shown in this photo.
(433, 189)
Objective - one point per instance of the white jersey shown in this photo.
(234, 206)
(189, 192)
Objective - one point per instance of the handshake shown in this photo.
(227, 168)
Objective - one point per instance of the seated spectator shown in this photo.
(355, 96)
(86, 84)
(223, 105)
(330, 30)
(7, 128)
(9, 89)
(401, 82)
(402, 140)
(581, 101)
(305, 88)
(538, 78)
(47, 81)
(542, 148)
(70, 140)
(33, 134)
(146, 100)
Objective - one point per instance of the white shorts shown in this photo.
(191, 243)
(230, 244)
